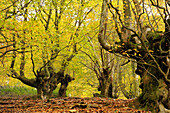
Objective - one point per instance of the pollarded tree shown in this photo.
(46, 35)
(149, 49)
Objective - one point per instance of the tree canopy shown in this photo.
(44, 43)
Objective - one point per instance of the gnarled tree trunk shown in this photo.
(155, 89)
(64, 84)
(151, 51)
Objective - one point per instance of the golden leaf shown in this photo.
(150, 51)
(135, 49)
(124, 53)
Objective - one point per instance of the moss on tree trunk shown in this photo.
(155, 90)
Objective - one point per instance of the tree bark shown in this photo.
(135, 87)
(153, 64)
(105, 87)
(64, 84)
(45, 87)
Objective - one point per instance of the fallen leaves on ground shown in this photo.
(67, 105)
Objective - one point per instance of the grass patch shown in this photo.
(17, 91)
(21, 91)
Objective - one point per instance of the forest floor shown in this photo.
(66, 105)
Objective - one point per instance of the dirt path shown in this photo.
(66, 105)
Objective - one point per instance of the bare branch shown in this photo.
(9, 6)
(32, 60)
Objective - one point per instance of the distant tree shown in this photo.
(149, 49)
(106, 66)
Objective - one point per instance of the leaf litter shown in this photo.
(67, 105)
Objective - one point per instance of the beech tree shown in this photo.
(109, 69)
(39, 40)
(106, 66)
(150, 49)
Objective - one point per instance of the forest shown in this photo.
(76, 56)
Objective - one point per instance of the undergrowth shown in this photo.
(16, 91)
(20, 91)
